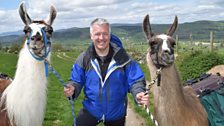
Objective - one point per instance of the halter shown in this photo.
(159, 68)
(47, 49)
(155, 50)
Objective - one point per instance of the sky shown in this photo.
(79, 13)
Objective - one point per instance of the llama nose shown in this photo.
(36, 37)
(166, 51)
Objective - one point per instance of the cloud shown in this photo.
(79, 13)
(76, 13)
(9, 20)
(217, 3)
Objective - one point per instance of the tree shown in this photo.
(15, 48)
(1, 46)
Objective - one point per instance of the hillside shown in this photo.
(10, 39)
(200, 30)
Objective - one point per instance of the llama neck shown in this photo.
(170, 82)
(170, 85)
(26, 96)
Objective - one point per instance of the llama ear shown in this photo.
(51, 16)
(172, 29)
(23, 14)
(147, 28)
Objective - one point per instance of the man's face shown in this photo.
(100, 36)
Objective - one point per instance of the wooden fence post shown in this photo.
(191, 43)
(142, 46)
(1, 46)
(211, 41)
(177, 44)
(191, 40)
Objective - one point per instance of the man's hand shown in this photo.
(69, 90)
(142, 98)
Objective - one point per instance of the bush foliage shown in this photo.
(191, 65)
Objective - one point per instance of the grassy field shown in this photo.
(8, 63)
(58, 110)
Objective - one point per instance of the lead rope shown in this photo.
(64, 84)
(158, 79)
(47, 44)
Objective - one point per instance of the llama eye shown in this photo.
(152, 43)
(26, 29)
(48, 29)
(173, 44)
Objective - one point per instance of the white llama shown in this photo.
(24, 100)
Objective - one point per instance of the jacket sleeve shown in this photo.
(135, 79)
(77, 78)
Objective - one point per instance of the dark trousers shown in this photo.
(86, 119)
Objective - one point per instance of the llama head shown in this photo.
(161, 48)
(38, 32)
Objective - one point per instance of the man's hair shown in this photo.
(99, 21)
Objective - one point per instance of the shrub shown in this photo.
(1, 46)
(192, 65)
(15, 48)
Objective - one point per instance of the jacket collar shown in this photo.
(120, 55)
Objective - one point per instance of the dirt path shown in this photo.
(133, 119)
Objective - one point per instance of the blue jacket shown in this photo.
(107, 100)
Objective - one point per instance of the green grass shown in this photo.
(141, 111)
(58, 112)
(8, 63)
(58, 109)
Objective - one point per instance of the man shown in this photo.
(107, 74)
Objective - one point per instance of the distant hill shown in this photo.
(10, 39)
(200, 30)
(11, 33)
(70, 35)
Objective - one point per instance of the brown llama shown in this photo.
(174, 105)
(4, 82)
(23, 100)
